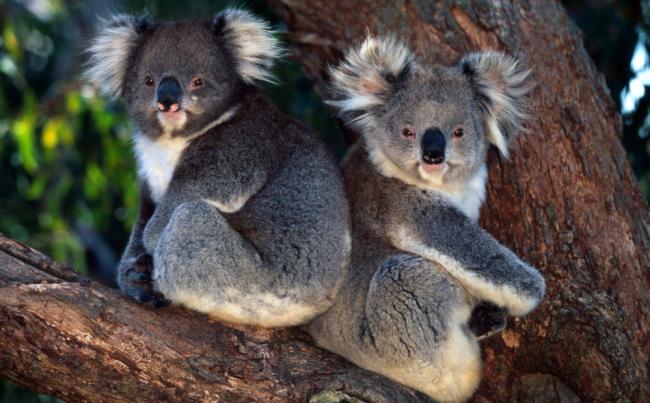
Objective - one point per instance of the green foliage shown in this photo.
(65, 153)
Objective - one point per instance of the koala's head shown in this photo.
(178, 78)
(429, 126)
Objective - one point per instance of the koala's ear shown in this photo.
(110, 50)
(501, 87)
(368, 75)
(250, 41)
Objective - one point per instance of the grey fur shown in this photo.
(242, 208)
(420, 262)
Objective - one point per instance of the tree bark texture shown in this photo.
(566, 200)
(65, 335)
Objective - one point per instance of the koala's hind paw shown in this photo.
(139, 276)
(154, 298)
(140, 273)
(487, 319)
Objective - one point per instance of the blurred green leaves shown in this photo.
(66, 157)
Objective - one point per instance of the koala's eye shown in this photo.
(148, 81)
(408, 133)
(458, 133)
(196, 83)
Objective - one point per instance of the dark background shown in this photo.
(67, 179)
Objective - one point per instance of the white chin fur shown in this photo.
(434, 178)
(169, 125)
(157, 158)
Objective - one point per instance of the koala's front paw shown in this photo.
(487, 319)
(138, 278)
(524, 288)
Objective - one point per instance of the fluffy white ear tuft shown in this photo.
(110, 50)
(501, 87)
(367, 76)
(252, 43)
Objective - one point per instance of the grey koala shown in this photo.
(243, 214)
(420, 262)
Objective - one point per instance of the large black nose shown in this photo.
(433, 146)
(168, 95)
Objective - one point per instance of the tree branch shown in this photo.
(69, 336)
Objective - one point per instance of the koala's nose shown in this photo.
(168, 95)
(433, 146)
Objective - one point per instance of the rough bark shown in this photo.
(65, 335)
(566, 200)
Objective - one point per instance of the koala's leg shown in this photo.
(203, 263)
(411, 327)
(134, 270)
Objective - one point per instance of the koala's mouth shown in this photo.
(171, 121)
(433, 173)
(434, 168)
(171, 116)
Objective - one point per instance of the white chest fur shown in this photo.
(469, 196)
(157, 160)
(473, 195)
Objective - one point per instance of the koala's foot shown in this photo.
(487, 319)
(139, 279)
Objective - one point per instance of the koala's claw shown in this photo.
(139, 275)
(155, 299)
(487, 319)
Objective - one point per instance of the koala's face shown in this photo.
(430, 128)
(180, 81)
(180, 78)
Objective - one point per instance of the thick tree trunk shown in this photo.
(65, 335)
(566, 200)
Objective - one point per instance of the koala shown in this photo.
(243, 214)
(420, 263)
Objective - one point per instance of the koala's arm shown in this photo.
(476, 259)
(227, 189)
(135, 247)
